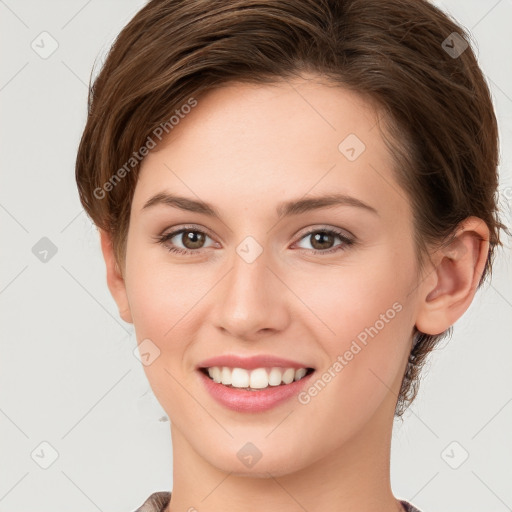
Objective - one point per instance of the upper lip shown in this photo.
(249, 363)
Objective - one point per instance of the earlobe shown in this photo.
(115, 279)
(450, 287)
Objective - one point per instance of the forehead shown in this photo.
(248, 145)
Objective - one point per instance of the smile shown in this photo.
(256, 378)
(256, 383)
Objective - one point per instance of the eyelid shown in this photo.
(174, 230)
(313, 229)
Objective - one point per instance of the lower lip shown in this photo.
(242, 400)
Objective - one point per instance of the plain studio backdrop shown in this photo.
(80, 427)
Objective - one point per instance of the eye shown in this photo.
(191, 238)
(322, 240)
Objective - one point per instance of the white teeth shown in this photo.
(300, 373)
(288, 375)
(240, 378)
(275, 377)
(214, 373)
(259, 378)
(226, 376)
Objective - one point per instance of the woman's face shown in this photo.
(329, 286)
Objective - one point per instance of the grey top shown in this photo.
(158, 501)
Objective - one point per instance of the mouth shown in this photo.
(255, 379)
(253, 384)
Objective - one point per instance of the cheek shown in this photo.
(366, 324)
(167, 306)
(161, 301)
(162, 295)
(344, 301)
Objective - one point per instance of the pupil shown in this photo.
(192, 239)
(319, 238)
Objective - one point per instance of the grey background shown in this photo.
(68, 376)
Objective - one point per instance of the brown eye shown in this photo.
(185, 241)
(322, 240)
(192, 239)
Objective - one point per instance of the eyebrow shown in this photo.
(284, 209)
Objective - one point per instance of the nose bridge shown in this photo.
(248, 282)
(250, 301)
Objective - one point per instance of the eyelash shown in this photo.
(346, 242)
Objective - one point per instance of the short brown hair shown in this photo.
(407, 56)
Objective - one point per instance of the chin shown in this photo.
(275, 463)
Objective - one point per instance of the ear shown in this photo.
(451, 285)
(115, 279)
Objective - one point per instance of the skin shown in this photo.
(244, 149)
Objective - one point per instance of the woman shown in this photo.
(296, 201)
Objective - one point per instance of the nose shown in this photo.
(252, 302)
